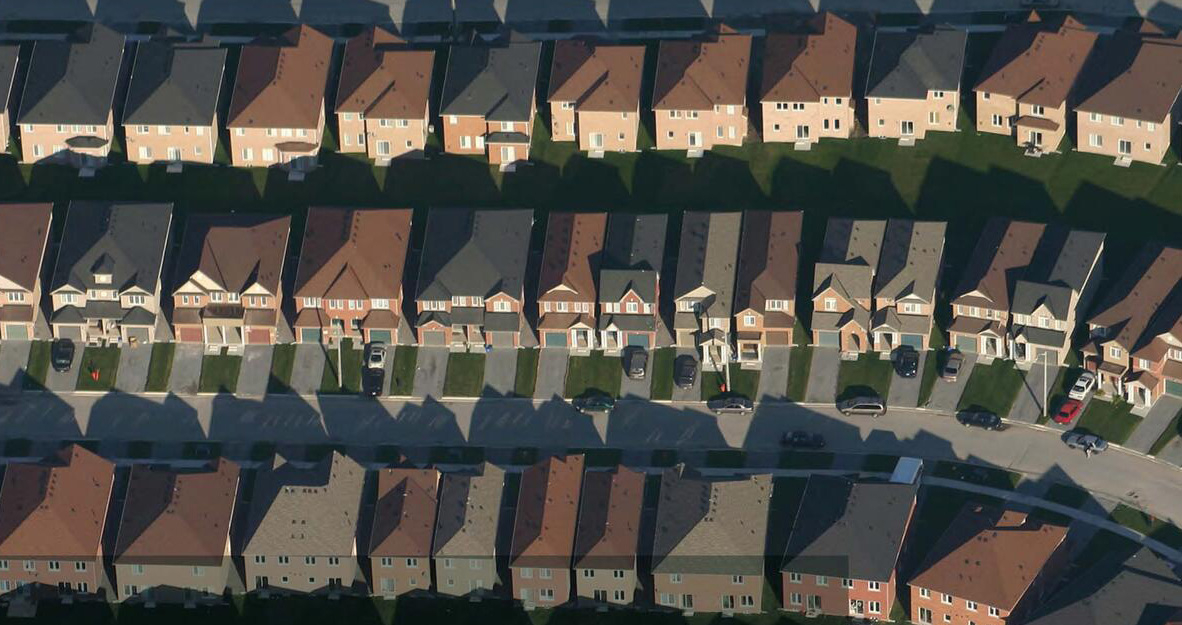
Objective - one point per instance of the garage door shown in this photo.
(638, 340)
(967, 344)
(912, 340)
(555, 339)
(190, 335)
(16, 332)
(74, 333)
(380, 336)
(309, 335)
(258, 336)
(1174, 388)
(503, 339)
(828, 339)
(434, 338)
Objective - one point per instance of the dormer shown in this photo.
(102, 269)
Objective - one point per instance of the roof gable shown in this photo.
(353, 253)
(234, 251)
(909, 64)
(281, 81)
(382, 79)
(806, 66)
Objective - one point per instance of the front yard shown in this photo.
(1112, 421)
(662, 373)
(98, 368)
(527, 373)
(992, 387)
(868, 375)
(402, 371)
(350, 373)
(219, 373)
(282, 363)
(38, 366)
(465, 375)
(594, 374)
(1172, 431)
(160, 367)
(800, 362)
(744, 383)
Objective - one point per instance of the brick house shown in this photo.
(765, 283)
(9, 58)
(630, 281)
(276, 116)
(464, 549)
(173, 542)
(171, 111)
(229, 280)
(567, 295)
(53, 515)
(833, 563)
(471, 284)
(1138, 587)
(106, 282)
(1157, 363)
(905, 284)
(608, 536)
(67, 109)
(23, 241)
(383, 96)
(843, 280)
(807, 91)
(544, 531)
(710, 542)
(700, 93)
(914, 83)
(989, 567)
(1029, 83)
(488, 101)
(349, 280)
(403, 522)
(595, 95)
(703, 292)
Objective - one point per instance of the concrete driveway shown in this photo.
(256, 370)
(308, 368)
(773, 378)
(1028, 405)
(551, 382)
(133, 368)
(1159, 418)
(186, 369)
(430, 372)
(693, 393)
(822, 387)
(500, 372)
(904, 392)
(946, 395)
(14, 357)
(638, 389)
(65, 381)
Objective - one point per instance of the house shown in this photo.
(807, 91)
(1028, 85)
(710, 541)
(607, 539)
(349, 280)
(403, 523)
(700, 93)
(52, 517)
(106, 282)
(276, 117)
(567, 297)
(488, 101)
(229, 280)
(905, 284)
(765, 283)
(630, 281)
(914, 83)
(544, 531)
(1129, 108)
(173, 540)
(981, 301)
(23, 241)
(843, 282)
(1060, 281)
(67, 109)
(1139, 311)
(843, 551)
(1141, 587)
(471, 284)
(595, 95)
(9, 58)
(703, 291)
(383, 96)
(171, 112)
(464, 549)
(990, 566)
(301, 535)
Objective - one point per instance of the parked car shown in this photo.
(1090, 443)
(685, 371)
(980, 419)
(1083, 385)
(799, 439)
(1068, 411)
(906, 361)
(872, 405)
(731, 405)
(61, 354)
(594, 404)
(372, 381)
(952, 364)
(375, 356)
(635, 362)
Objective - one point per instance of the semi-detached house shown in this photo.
(400, 537)
(595, 95)
(23, 241)
(630, 281)
(700, 93)
(914, 83)
(567, 298)
(765, 283)
(544, 531)
(487, 105)
(703, 292)
(905, 284)
(843, 281)
(607, 539)
(464, 549)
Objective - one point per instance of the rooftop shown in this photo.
(806, 66)
(596, 77)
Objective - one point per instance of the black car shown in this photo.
(594, 404)
(980, 419)
(61, 354)
(685, 371)
(731, 405)
(906, 361)
(635, 362)
(799, 439)
(372, 380)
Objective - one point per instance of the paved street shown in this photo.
(1028, 404)
(255, 371)
(133, 368)
(946, 395)
(308, 370)
(186, 369)
(773, 378)
(823, 375)
(500, 372)
(430, 372)
(1159, 417)
(904, 392)
(14, 356)
(551, 380)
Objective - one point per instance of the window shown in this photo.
(3, 565)
(501, 306)
(875, 607)
(387, 585)
(1095, 141)
(588, 573)
(1118, 121)
(847, 582)
(925, 616)
(632, 307)
(830, 304)
(984, 95)
(687, 602)
(164, 130)
(1150, 126)
(925, 593)
(284, 560)
(465, 142)
(933, 117)
(1148, 147)
(994, 612)
(749, 320)
(32, 566)
(475, 565)
(666, 599)
(1094, 117)
(268, 154)
(546, 594)
(37, 150)
(798, 106)
(795, 578)
(675, 578)
(794, 598)
(728, 602)
(137, 569)
(945, 599)
(618, 574)
(198, 571)
(997, 120)
(527, 573)
(747, 601)
(719, 132)
(247, 154)
(545, 573)
(822, 580)
(875, 586)
(970, 605)
(506, 126)
(618, 595)
(54, 565)
(1037, 110)
(938, 95)
(737, 579)
(387, 562)
(911, 308)
(1114, 352)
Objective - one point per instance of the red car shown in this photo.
(1068, 411)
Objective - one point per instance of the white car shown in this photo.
(1083, 385)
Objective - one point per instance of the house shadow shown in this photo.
(234, 12)
(497, 423)
(125, 416)
(592, 183)
(360, 422)
(664, 426)
(279, 418)
(441, 180)
(30, 416)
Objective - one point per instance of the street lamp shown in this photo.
(1043, 354)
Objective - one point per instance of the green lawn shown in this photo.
(527, 373)
(992, 387)
(662, 373)
(1172, 431)
(800, 361)
(1112, 421)
(103, 361)
(868, 375)
(744, 383)
(282, 361)
(597, 373)
(38, 366)
(350, 380)
(465, 375)
(219, 373)
(402, 371)
(160, 367)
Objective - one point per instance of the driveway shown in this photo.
(822, 387)
(552, 363)
(1172, 452)
(256, 370)
(638, 389)
(14, 357)
(500, 372)
(65, 381)
(694, 393)
(946, 395)
(1154, 423)
(904, 392)
(133, 368)
(430, 371)
(186, 369)
(1028, 405)
(773, 378)
(308, 368)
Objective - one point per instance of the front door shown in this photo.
(597, 140)
(906, 128)
(886, 341)
(508, 154)
(1035, 138)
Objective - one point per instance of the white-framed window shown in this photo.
(1037, 110)
(984, 95)
(874, 586)
(506, 126)
(665, 599)
(675, 578)
(737, 580)
(618, 574)
(925, 593)
(589, 573)
(37, 150)
(1095, 141)
(475, 564)
(247, 154)
(847, 582)
(939, 95)
(794, 598)
(545, 573)
(1113, 351)
(1150, 126)
(933, 117)
(1117, 121)
(1095, 117)
(946, 599)
(994, 612)
(822, 580)
(386, 562)
(875, 607)
(830, 304)
(798, 106)
(997, 120)
(465, 142)
(795, 578)
(136, 300)
(970, 605)
(527, 573)
(284, 560)
(749, 320)
(54, 565)
(136, 569)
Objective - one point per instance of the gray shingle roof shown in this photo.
(127, 241)
(496, 83)
(633, 251)
(469, 510)
(908, 64)
(8, 61)
(73, 81)
(174, 84)
(909, 264)
(1062, 263)
(707, 257)
(474, 253)
(1138, 590)
(849, 256)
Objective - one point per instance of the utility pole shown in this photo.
(1044, 384)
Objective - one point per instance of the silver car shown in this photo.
(1083, 385)
(871, 405)
(1090, 443)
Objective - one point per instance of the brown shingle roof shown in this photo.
(547, 507)
(404, 516)
(768, 256)
(1135, 76)
(570, 259)
(1147, 282)
(22, 241)
(803, 67)
(173, 515)
(235, 250)
(596, 77)
(609, 519)
(999, 259)
(989, 555)
(1036, 64)
(281, 81)
(55, 508)
(696, 75)
(353, 253)
(383, 81)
